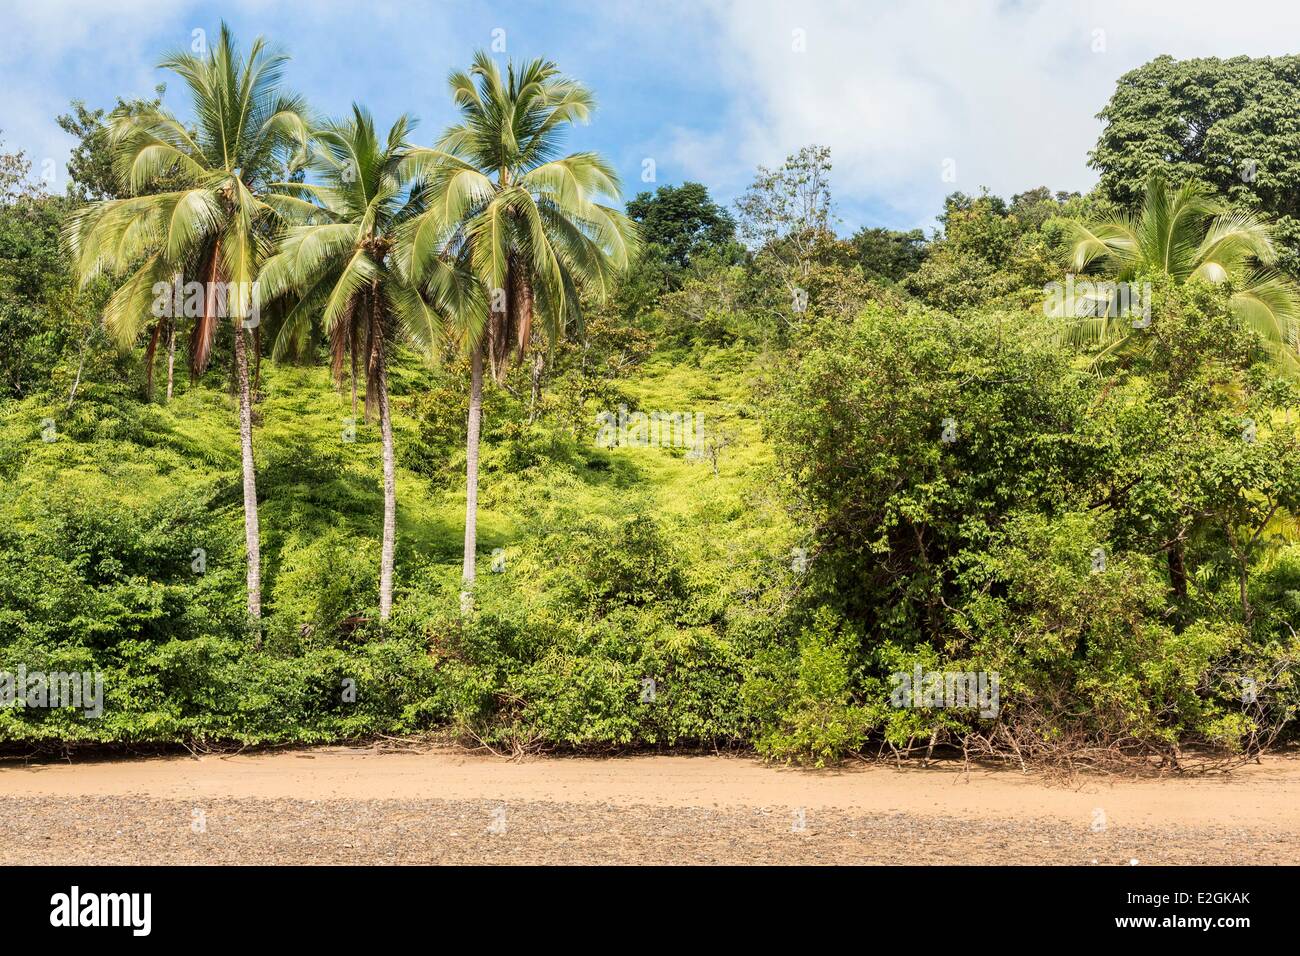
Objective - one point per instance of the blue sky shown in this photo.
(915, 99)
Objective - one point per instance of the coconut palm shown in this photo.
(1184, 233)
(536, 230)
(341, 264)
(213, 227)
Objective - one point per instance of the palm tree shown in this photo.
(1184, 233)
(532, 227)
(341, 263)
(214, 227)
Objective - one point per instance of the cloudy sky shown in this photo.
(996, 94)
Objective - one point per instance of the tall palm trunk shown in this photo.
(150, 355)
(177, 293)
(257, 360)
(171, 356)
(390, 486)
(471, 465)
(252, 537)
(538, 364)
(523, 304)
(370, 399)
(352, 348)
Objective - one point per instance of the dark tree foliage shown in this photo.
(1230, 123)
(682, 221)
(889, 253)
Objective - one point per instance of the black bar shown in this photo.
(335, 904)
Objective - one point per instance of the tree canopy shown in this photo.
(1232, 124)
(681, 222)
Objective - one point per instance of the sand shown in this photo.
(346, 805)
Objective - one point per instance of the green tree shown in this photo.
(987, 256)
(341, 263)
(907, 435)
(681, 222)
(1034, 207)
(215, 229)
(1231, 124)
(888, 253)
(1200, 449)
(532, 227)
(1185, 234)
(92, 177)
(34, 280)
(786, 217)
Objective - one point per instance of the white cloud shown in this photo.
(47, 42)
(1008, 91)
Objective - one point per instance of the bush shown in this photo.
(981, 508)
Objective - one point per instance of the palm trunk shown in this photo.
(471, 467)
(390, 488)
(538, 364)
(523, 310)
(370, 399)
(257, 360)
(150, 355)
(252, 536)
(171, 360)
(353, 350)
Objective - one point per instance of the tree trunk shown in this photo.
(171, 357)
(81, 365)
(257, 360)
(1243, 583)
(150, 354)
(177, 309)
(523, 294)
(501, 314)
(353, 350)
(252, 536)
(390, 487)
(471, 467)
(538, 364)
(370, 399)
(1177, 569)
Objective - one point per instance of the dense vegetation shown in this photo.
(904, 461)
